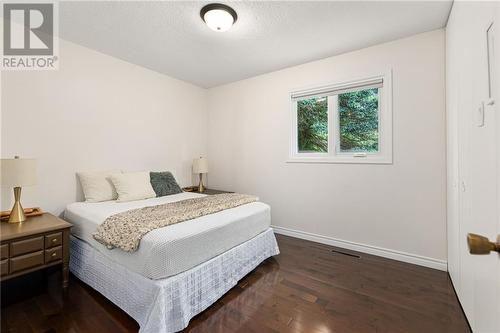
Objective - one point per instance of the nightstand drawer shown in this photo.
(53, 240)
(4, 267)
(53, 254)
(4, 251)
(26, 246)
(26, 261)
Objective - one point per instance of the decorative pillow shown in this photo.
(164, 183)
(96, 187)
(132, 186)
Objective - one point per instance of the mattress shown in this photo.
(176, 248)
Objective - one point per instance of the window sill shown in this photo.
(341, 160)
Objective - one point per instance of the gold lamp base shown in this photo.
(17, 213)
(201, 188)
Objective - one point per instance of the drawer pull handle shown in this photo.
(54, 254)
(54, 240)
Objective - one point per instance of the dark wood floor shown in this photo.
(307, 288)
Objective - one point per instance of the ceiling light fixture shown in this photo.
(218, 17)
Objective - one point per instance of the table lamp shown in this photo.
(200, 166)
(17, 172)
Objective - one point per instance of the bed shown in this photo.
(177, 271)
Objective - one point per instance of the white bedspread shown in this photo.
(167, 305)
(176, 248)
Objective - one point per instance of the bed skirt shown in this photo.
(167, 305)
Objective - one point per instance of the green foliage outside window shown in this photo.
(358, 120)
(312, 125)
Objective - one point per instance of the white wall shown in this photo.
(96, 113)
(399, 207)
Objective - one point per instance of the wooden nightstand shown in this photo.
(37, 243)
(207, 191)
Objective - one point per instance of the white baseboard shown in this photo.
(377, 251)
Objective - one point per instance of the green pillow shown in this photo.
(164, 183)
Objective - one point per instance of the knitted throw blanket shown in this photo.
(125, 230)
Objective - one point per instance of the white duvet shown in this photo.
(176, 248)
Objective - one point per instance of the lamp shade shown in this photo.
(200, 165)
(17, 172)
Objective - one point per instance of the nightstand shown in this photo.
(39, 242)
(209, 191)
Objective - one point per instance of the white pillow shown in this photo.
(133, 186)
(97, 187)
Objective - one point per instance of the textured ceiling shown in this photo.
(170, 37)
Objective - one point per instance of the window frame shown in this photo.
(334, 155)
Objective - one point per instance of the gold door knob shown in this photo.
(481, 245)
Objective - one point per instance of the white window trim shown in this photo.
(383, 156)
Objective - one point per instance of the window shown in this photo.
(343, 123)
(312, 125)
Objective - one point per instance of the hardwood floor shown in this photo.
(307, 288)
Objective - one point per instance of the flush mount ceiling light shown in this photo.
(218, 17)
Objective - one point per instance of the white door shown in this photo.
(475, 199)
